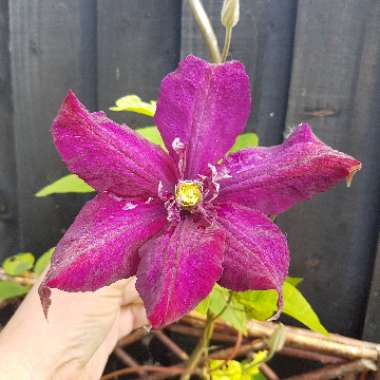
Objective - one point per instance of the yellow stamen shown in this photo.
(188, 194)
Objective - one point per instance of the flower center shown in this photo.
(188, 194)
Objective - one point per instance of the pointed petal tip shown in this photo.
(70, 106)
(157, 323)
(192, 57)
(274, 179)
(71, 94)
(45, 297)
(302, 131)
(304, 124)
(353, 171)
(306, 131)
(280, 306)
(69, 98)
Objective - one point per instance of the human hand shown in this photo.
(74, 343)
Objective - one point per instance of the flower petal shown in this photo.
(206, 106)
(178, 269)
(274, 179)
(257, 254)
(101, 245)
(110, 157)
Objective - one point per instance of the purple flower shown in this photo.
(189, 218)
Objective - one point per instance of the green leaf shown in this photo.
(259, 304)
(262, 304)
(203, 306)
(9, 289)
(152, 134)
(295, 281)
(218, 298)
(43, 261)
(70, 183)
(234, 314)
(133, 103)
(18, 264)
(297, 307)
(245, 140)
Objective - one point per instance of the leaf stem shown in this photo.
(206, 29)
(201, 349)
(227, 43)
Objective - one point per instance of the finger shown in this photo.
(130, 294)
(122, 292)
(131, 317)
(139, 316)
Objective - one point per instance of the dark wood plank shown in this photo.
(333, 237)
(371, 330)
(8, 181)
(263, 41)
(138, 43)
(53, 46)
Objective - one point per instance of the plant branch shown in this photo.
(128, 360)
(206, 29)
(332, 344)
(195, 331)
(171, 345)
(300, 343)
(133, 337)
(226, 353)
(314, 356)
(305, 340)
(337, 371)
(168, 371)
(268, 372)
(201, 349)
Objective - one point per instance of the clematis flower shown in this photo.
(187, 218)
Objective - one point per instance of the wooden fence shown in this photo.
(308, 60)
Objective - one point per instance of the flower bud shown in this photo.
(230, 13)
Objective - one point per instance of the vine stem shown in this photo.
(227, 44)
(201, 349)
(206, 29)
